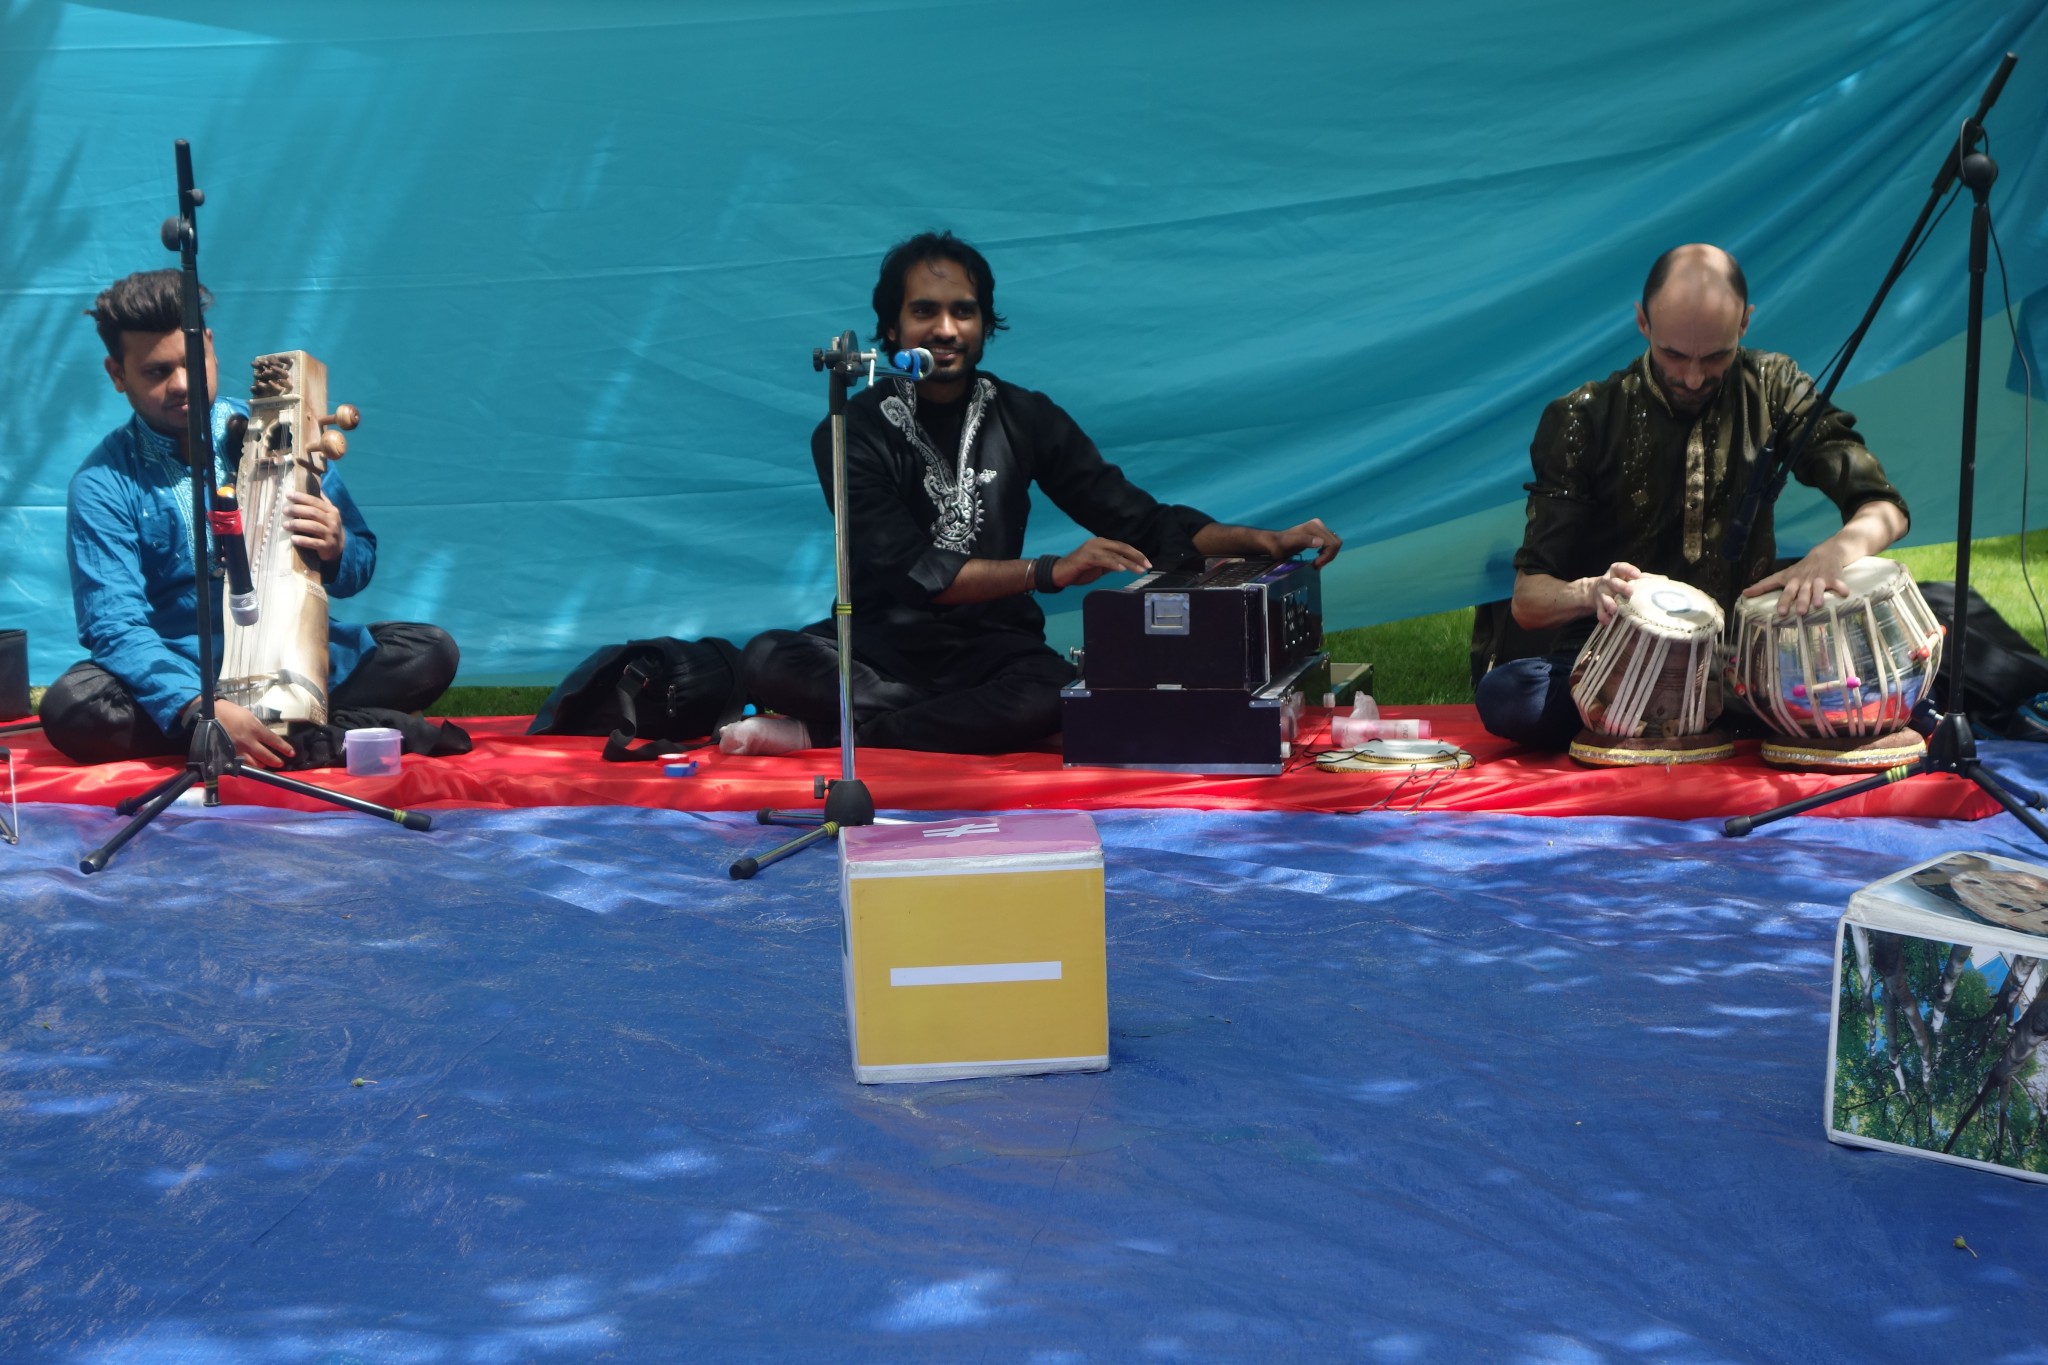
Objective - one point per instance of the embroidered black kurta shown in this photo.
(922, 502)
(1620, 477)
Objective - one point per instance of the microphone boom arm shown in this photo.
(1767, 477)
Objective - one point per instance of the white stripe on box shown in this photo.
(974, 973)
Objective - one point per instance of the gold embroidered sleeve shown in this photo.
(1836, 461)
(1562, 507)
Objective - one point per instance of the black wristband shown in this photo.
(1041, 574)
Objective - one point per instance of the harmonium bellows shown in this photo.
(1201, 667)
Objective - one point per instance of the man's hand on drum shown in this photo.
(315, 524)
(1875, 525)
(1802, 587)
(1604, 593)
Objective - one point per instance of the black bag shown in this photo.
(13, 674)
(665, 692)
(1496, 639)
(2001, 672)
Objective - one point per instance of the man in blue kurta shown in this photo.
(129, 531)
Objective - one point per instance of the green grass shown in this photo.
(1995, 574)
(1420, 662)
(490, 701)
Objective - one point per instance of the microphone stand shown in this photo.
(847, 801)
(1952, 747)
(212, 754)
(10, 824)
(1784, 447)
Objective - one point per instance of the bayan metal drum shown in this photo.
(1645, 684)
(1839, 684)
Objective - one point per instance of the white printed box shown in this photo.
(1938, 1040)
(974, 947)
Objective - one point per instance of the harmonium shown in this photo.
(1200, 668)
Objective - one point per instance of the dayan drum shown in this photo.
(1839, 684)
(1645, 684)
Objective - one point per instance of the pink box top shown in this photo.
(974, 836)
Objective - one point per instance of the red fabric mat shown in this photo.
(511, 768)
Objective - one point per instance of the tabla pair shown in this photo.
(1837, 685)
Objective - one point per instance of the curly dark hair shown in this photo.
(933, 246)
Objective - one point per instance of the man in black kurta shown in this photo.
(949, 647)
(1642, 472)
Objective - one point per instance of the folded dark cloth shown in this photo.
(320, 746)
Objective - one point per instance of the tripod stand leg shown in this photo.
(411, 819)
(2026, 796)
(132, 804)
(1737, 826)
(146, 808)
(10, 827)
(747, 867)
(2007, 799)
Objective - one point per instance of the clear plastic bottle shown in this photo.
(1364, 723)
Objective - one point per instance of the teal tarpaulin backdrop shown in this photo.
(1280, 260)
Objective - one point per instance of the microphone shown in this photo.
(226, 521)
(917, 362)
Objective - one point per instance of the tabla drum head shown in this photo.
(1667, 607)
(2013, 900)
(1867, 578)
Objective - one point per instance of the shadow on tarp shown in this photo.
(546, 1084)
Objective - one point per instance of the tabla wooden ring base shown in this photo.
(1615, 751)
(1845, 753)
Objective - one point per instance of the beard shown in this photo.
(1685, 402)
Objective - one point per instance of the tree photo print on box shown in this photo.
(1941, 1042)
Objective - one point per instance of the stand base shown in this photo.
(1951, 748)
(1861, 753)
(207, 767)
(1615, 751)
(846, 803)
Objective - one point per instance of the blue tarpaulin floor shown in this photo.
(547, 1085)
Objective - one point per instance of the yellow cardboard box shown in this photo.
(974, 947)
